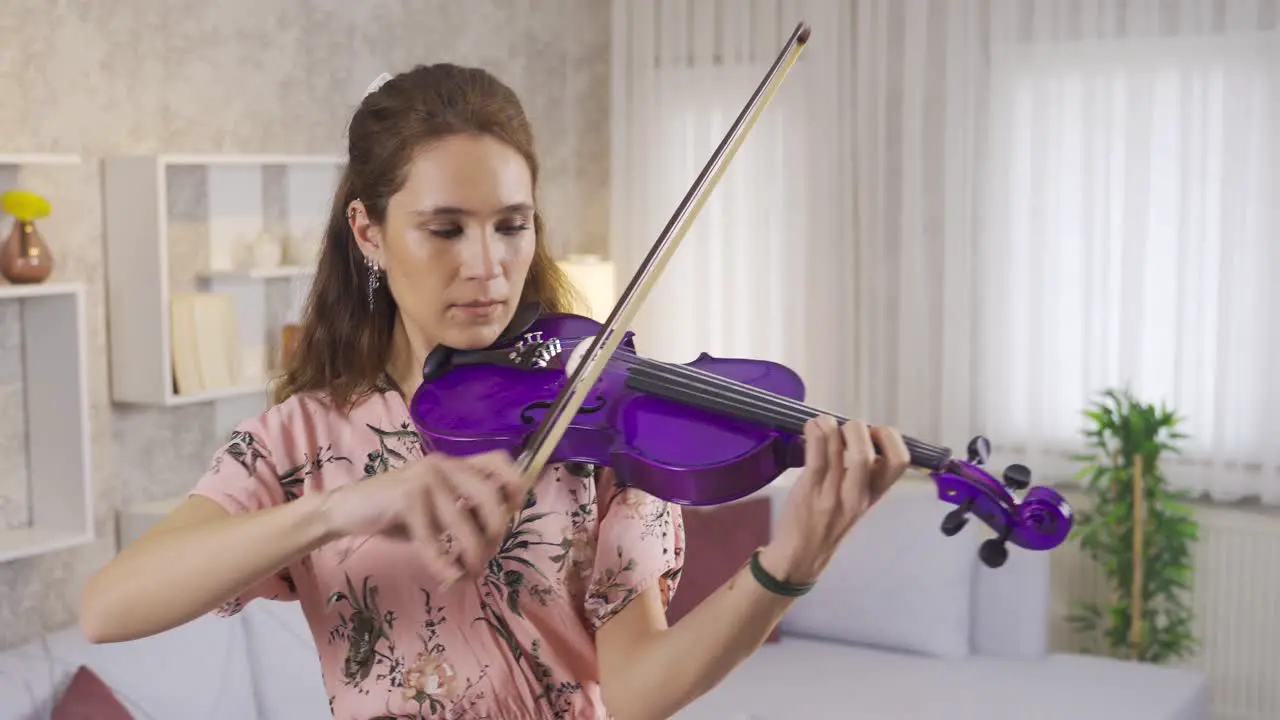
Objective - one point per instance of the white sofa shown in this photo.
(906, 624)
(258, 665)
(909, 624)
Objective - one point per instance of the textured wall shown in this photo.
(240, 76)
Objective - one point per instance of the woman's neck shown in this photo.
(408, 352)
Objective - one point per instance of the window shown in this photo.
(1129, 238)
(730, 287)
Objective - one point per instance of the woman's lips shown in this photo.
(480, 310)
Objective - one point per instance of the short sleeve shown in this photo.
(640, 544)
(242, 478)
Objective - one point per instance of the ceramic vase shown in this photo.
(25, 257)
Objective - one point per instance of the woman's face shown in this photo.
(458, 241)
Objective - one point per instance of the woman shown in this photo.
(435, 586)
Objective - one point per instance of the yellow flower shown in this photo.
(24, 205)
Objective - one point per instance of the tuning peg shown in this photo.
(993, 552)
(979, 450)
(1017, 477)
(955, 520)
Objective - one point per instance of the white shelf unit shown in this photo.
(138, 248)
(39, 159)
(12, 166)
(56, 388)
(133, 521)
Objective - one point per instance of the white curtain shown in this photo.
(1130, 194)
(741, 283)
(971, 216)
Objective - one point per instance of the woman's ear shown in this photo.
(368, 235)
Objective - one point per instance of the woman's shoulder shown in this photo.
(305, 439)
(301, 413)
(306, 420)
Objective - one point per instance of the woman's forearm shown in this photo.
(193, 561)
(676, 666)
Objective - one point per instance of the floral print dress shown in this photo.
(516, 643)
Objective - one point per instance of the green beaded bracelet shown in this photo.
(773, 584)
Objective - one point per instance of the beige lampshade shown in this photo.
(595, 280)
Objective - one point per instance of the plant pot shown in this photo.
(25, 257)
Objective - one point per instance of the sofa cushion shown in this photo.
(201, 664)
(88, 698)
(286, 667)
(820, 680)
(719, 541)
(1011, 605)
(896, 581)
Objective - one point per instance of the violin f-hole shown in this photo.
(528, 419)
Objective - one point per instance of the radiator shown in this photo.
(1236, 598)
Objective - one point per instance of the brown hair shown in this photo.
(344, 346)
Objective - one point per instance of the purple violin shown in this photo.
(701, 433)
(566, 389)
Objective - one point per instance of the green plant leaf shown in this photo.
(1123, 428)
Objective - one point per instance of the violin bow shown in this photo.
(588, 369)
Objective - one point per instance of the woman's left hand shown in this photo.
(843, 477)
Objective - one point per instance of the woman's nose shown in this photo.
(483, 260)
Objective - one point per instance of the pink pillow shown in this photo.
(719, 540)
(88, 698)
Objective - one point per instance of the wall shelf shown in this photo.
(282, 272)
(216, 160)
(39, 159)
(235, 195)
(58, 454)
(25, 170)
(133, 521)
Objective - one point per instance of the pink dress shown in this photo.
(516, 643)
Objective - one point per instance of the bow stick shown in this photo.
(588, 369)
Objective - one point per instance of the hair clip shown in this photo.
(377, 83)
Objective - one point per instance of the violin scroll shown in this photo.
(1040, 520)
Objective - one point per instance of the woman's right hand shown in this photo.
(455, 509)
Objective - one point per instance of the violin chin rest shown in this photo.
(436, 360)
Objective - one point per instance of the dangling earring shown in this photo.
(374, 276)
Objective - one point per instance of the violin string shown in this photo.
(781, 407)
(731, 402)
(628, 357)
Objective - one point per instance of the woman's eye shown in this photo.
(447, 233)
(513, 228)
(450, 232)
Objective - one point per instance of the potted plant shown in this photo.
(1149, 571)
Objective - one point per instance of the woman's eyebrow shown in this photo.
(453, 210)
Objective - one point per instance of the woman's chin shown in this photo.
(473, 329)
(473, 336)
